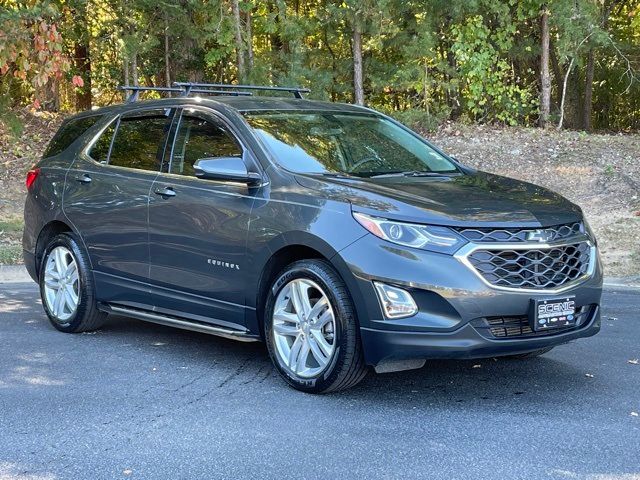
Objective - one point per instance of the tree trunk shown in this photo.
(83, 65)
(249, 21)
(134, 69)
(358, 86)
(545, 77)
(588, 90)
(564, 93)
(557, 73)
(235, 6)
(167, 65)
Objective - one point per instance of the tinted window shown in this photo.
(139, 140)
(100, 149)
(68, 133)
(200, 138)
(357, 144)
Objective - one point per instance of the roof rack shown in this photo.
(229, 89)
(187, 88)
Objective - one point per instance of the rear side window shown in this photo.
(140, 139)
(100, 149)
(68, 133)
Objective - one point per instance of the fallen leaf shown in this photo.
(590, 375)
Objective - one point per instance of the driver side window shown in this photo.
(198, 136)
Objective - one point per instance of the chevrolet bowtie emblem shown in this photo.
(542, 236)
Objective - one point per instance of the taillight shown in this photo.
(31, 177)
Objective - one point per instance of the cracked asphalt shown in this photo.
(137, 400)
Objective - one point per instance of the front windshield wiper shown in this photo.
(411, 173)
(338, 175)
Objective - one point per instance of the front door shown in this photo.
(106, 199)
(198, 228)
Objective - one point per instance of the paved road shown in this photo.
(136, 400)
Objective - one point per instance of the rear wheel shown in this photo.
(535, 353)
(311, 331)
(66, 287)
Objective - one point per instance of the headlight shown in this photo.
(426, 237)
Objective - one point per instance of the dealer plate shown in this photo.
(548, 314)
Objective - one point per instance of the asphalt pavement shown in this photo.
(136, 400)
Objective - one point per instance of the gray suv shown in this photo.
(331, 232)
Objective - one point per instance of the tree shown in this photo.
(545, 77)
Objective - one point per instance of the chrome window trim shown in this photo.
(463, 254)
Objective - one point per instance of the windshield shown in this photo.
(354, 144)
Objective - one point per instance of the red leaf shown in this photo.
(77, 81)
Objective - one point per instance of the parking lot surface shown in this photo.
(137, 400)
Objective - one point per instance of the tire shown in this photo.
(63, 250)
(535, 353)
(333, 321)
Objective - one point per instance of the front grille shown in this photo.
(508, 235)
(519, 327)
(535, 268)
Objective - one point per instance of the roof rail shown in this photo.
(229, 89)
(135, 91)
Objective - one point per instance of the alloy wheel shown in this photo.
(61, 283)
(304, 327)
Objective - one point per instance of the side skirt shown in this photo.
(171, 321)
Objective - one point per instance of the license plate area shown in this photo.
(549, 314)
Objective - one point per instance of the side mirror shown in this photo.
(227, 169)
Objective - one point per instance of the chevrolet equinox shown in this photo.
(331, 232)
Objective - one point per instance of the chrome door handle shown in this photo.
(84, 178)
(165, 192)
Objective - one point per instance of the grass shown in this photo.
(10, 241)
(13, 225)
(10, 254)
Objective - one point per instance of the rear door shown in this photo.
(198, 228)
(107, 200)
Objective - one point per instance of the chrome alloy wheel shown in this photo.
(61, 283)
(304, 328)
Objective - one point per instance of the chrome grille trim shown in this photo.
(509, 235)
(463, 256)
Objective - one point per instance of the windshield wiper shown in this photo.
(411, 173)
(338, 175)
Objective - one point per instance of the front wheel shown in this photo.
(311, 330)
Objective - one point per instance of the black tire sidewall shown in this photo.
(317, 272)
(84, 299)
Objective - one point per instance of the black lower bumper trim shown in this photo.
(466, 342)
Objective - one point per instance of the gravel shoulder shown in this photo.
(599, 172)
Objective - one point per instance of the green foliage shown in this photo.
(423, 60)
(491, 90)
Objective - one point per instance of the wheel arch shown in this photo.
(49, 231)
(307, 247)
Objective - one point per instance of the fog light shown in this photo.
(396, 303)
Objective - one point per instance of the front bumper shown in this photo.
(451, 299)
(466, 342)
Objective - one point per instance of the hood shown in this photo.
(479, 199)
